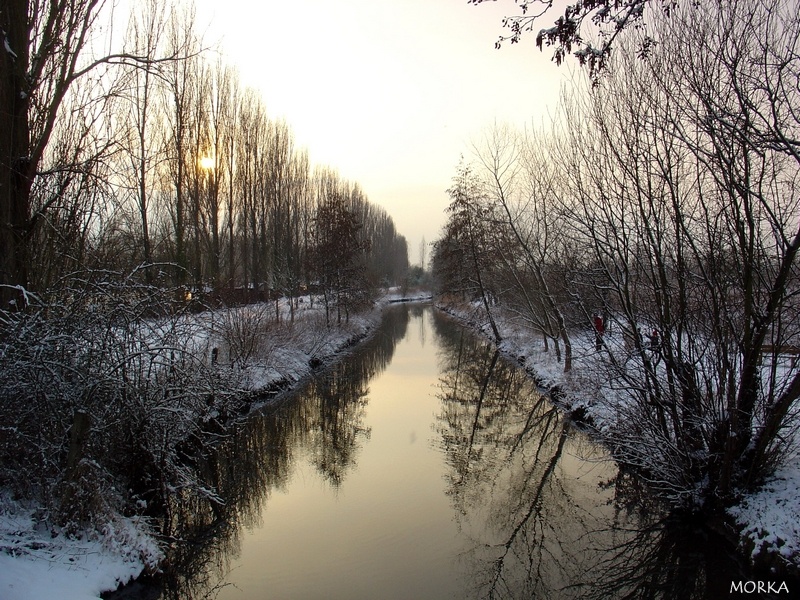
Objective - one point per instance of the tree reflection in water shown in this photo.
(324, 420)
(548, 515)
(541, 511)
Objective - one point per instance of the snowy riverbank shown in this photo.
(768, 519)
(39, 560)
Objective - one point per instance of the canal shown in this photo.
(426, 466)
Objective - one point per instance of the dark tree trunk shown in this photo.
(16, 170)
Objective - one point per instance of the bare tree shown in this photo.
(465, 252)
(667, 199)
(39, 61)
(184, 44)
(607, 18)
(143, 81)
(337, 249)
(44, 54)
(534, 233)
(232, 107)
(685, 190)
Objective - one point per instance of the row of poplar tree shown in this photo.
(157, 155)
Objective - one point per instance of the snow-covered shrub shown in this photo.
(100, 384)
(245, 331)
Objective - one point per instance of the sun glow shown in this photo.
(207, 162)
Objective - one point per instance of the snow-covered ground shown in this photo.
(769, 519)
(40, 561)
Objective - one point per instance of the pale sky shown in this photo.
(388, 92)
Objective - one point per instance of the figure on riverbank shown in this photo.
(599, 330)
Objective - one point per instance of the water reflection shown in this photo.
(547, 513)
(325, 421)
(504, 499)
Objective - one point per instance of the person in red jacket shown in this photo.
(599, 330)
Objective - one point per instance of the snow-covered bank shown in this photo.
(767, 519)
(770, 517)
(39, 560)
(396, 297)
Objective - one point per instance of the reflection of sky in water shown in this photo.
(455, 480)
(387, 528)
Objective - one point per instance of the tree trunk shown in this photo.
(16, 170)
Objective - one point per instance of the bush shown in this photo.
(101, 382)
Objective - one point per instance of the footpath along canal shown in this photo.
(426, 466)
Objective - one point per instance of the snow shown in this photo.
(398, 295)
(8, 47)
(769, 518)
(39, 561)
(43, 562)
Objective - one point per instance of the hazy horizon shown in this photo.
(388, 94)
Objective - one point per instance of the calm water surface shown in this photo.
(425, 466)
